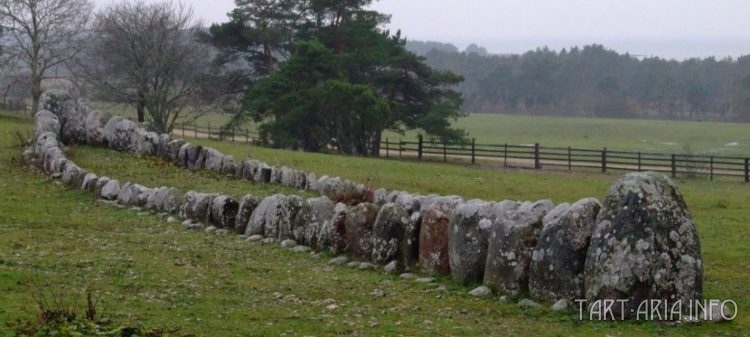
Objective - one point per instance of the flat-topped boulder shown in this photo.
(644, 246)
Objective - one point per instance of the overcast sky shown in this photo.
(670, 28)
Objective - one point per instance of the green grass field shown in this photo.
(143, 269)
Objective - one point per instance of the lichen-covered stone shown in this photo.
(89, 182)
(123, 135)
(273, 217)
(340, 190)
(433, 234)
(510, 246)
(556, 270)
(190, 157)
(380, 197)
(359, 222)
(73, 175)
(133, 194)
(163, 199)
(468, 238)
(644, 246)
(163, 149)
(336, 233)
(223, 212)
(196, 205)
(94, 128)
(174, 147)
(46, 121)
(388, 233)
(315, 217)
(248, 204)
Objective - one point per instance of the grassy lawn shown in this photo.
(141, 268)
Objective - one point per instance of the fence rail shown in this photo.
(533, 156)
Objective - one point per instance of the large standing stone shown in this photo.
(315, 216)
(224, 211)
(228, 165)
(335, 236)
(196, 205)
(133, 195)
(468, 238)
(433, 234)
(73, 175)
(174, 150)
(388, 233)
(214, 159)
(150, 144)
(110, 189)
(94, 128)
(410, 244)
(359, 222)
(163, 199)
(262, 173)
(644, 246)
(273, 217)
(123, 135)
(556, 270)
(163, 149)
(510, 246)
(248, 204)
(190, 156)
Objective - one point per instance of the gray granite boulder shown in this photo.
(195, 205)
(388, 233)
(213, 160)
(644, 246)
(274, 216)
(341, 190)
(46, 121)
(315, 217)
(123, 135)
(190, 156)
(162, 149)
(228, 166)
(511, 244)
(223, 212)
(73, 175)
(163, 199)
(468, 238)
(556, 270)
(174, 147)
(248, 204)
(380, 197)
(110, 188)
(335, 236)
(359, 222)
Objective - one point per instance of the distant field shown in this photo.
(615, 134)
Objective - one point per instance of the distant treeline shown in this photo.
(595, 81)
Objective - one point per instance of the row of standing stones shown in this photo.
(639, 244)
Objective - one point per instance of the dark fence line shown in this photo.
(236, 134)
(535, 156)
(532, 156)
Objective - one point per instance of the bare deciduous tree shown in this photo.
(149, 55)
(44, 35)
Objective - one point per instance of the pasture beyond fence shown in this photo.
(531, 156)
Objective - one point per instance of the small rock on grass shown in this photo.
(210, 229)
(481, 292)
(268, 240)
(338, 261)
(171, 219)
(425, 280)
(504, 299)
(366, 266)
(254, 238)
(288, 243)
(561, 305)
(378, 293)
(528, 304)
(408, 276)
(353, 264)
(301, 249)
(391, 268)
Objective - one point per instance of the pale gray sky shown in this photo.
(670, 28)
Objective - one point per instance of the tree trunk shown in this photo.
(36, 96)
(375, 149)
(141, 109)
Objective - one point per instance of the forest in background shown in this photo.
(594, 81)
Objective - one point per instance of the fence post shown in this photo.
(505, 156)
(387, 148)
(473, 153)
(604, 160)
(537, 163)
(209, 130)
(639, 161)
(419, 148)
(400, 146)
(445, 152)
(570, 160)
(747, 170)
(674, 165)
(183, 130)
(712, 168)
(195, 129)
(234, 130)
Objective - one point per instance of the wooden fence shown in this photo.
(535, 156)
(532, 156)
